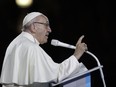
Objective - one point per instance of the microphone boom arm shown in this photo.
(98, 63)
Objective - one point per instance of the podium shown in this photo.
(82, 78)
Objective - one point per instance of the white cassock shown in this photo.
(26, 62)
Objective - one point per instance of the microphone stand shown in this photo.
(98, 63)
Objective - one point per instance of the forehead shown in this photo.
(41, 18)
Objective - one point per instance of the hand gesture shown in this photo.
(80, 48)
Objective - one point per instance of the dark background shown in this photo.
(69, 19)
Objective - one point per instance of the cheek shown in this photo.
(41, 34)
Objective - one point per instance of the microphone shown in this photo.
(55, 42)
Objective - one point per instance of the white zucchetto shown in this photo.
(30, 16)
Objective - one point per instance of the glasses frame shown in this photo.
(46, 24)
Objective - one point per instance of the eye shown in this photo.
(45, 24)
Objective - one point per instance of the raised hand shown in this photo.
(81, 47)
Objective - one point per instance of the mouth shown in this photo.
(47, 35)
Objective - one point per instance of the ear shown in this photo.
(32, 28)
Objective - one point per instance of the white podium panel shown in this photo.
(81, 79)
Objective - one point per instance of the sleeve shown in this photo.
(68, 67)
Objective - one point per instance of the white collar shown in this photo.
(30, 37)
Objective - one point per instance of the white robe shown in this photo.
(26, 62)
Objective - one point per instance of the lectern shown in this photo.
(82, 78)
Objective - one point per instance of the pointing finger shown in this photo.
(80, 39)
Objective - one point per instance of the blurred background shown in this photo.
(69, 19)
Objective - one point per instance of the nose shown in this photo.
(49, 29)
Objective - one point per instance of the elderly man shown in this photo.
(27, 64)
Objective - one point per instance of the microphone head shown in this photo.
(58, 43)
(54, 42)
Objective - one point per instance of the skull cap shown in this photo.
(30, 16)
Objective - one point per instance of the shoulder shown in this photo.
(22, 43)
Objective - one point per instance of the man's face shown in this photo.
(42, 29)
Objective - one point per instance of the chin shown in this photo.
(45, 41)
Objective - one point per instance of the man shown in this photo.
(27, 64)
